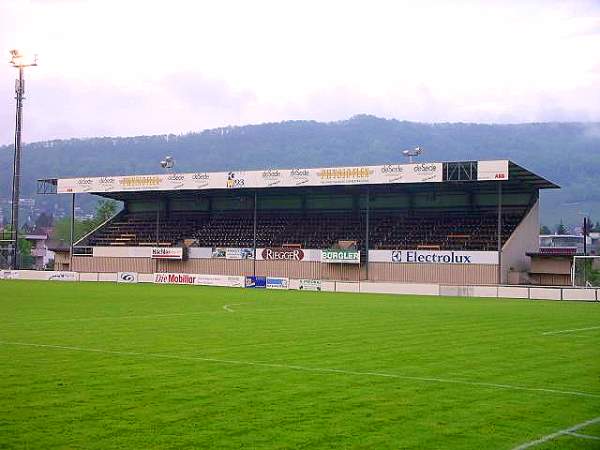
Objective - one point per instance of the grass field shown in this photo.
(100, 365)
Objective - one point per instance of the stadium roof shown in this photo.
(416, 174)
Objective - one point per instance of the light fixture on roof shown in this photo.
(167, 163)
(411, 153)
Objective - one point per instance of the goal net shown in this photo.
(586, 271)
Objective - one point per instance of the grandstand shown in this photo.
(404, 219)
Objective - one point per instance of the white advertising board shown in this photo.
(9, 275)
(167, 253)
(221, 280)
(433, 257)
(492, 170)
(278, 283)
(199, 280)
(127, 277)
(309, 285)
(239, 253)
(62, 276)
(326, 176)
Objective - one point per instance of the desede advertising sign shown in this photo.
(167, 253)
(325, 176)
(340, 256)
(433, 257)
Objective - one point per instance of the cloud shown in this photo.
(113, 67)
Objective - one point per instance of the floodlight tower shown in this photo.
(411, 153)
(19, 61)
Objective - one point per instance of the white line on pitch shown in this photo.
(145, 316)
(570, 331)
(228, 307)
(568, 431)
(307, 369)
(584, 436)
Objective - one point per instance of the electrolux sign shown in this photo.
(433, 257)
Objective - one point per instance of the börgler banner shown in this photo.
(340, 256)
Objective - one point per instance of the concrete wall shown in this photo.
(458, 274)
(524, 239)
(511, 292)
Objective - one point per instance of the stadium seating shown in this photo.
(444, 230)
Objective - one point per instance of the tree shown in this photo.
(105, 210)
(44, 221)
(561, 228)
(25, 254)
(545, 230)
(62, 227)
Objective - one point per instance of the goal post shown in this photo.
(585, 271)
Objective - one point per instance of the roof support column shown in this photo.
(157, 221)
(499, 232)
(367, 219)
(72, 232)
(254, 234)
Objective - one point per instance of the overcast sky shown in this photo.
(125, 67)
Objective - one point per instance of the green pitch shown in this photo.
(100, 365)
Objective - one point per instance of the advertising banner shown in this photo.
(167, 253)
(127, 277)
(175, 278)
(201, 280)
(309, 285)
(62, 276)
(239, 253)
(9, 275)
(219, 253)
(220, 280)
(326, 176)
(340, 256)
(282, 253)
(433, 257)
(492, 170)
(277, 283)
(256, 282)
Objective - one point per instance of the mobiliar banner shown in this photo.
(324, 176)
(167, 253)
(340, 256)
(199, 280)
(433, 257)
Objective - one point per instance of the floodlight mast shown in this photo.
(18, 61)
(411, 153)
